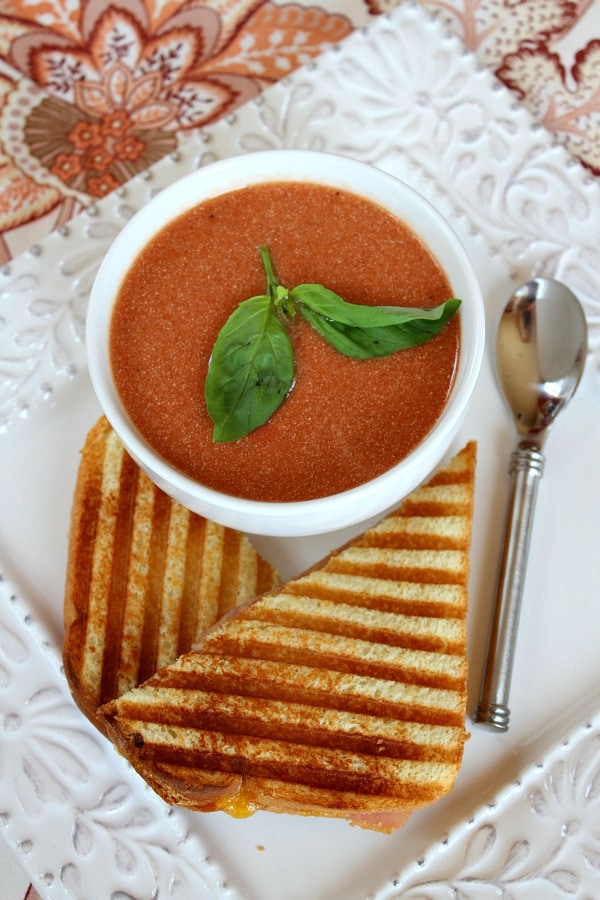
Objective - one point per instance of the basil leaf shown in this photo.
(250, 372)
(328, 304)
(367, 332)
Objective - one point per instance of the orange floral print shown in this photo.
(67, 166)
(86, 134)
(116, 124)
(129, 148)
(101, 185)
(97, 158)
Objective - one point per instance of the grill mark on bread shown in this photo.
(420, 533)
(423, 566)
(332, 617)
(134, 601)
(439, 498)
(299, 722)
(303, 647)
(317, 687)
(190, 614)
(168, 647)
(255, 756)
(311, 728)
(408, 598)
(153, 600)
(115, 613)
(209, 586)
(230, 573)
(101, 568)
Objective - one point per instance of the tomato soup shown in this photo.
(344, 421)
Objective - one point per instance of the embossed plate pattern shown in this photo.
(522, 820)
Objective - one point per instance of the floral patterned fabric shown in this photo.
(93, 93)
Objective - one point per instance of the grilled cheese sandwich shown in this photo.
(145, 577)
(342, 693)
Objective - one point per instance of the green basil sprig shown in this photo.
(251, 369)
(353, 331)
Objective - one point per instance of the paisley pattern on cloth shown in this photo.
(93, 93)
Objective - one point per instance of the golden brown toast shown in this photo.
(145, 577)
(342, 693)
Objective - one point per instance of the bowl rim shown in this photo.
(323, 513)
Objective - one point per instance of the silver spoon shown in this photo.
(541, 351)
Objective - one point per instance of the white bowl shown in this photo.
(332, 512)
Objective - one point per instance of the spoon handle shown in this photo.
(527, 466)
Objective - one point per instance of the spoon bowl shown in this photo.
(541, 348)
(541, 352)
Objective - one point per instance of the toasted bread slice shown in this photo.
(145, 577)
(343, 693)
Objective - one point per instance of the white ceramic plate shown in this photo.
(523, 818)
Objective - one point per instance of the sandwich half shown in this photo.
(145, 577)
(342, 693)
